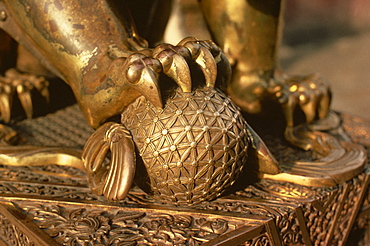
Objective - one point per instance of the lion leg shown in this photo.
(249, 32)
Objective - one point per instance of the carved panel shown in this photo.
(328, 212)
(51, 191)
(48, 174)
(59, 202)
(318, 205)
(78, 224)
(348, 212)
(284, 214)
(258, 241)
(10, 234)
(320, 216)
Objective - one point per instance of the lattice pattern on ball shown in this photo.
(194, 148)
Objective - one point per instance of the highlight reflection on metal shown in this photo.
(53, 205)
(109, 68)
(196, 146)
(192, 139)
(250, 37)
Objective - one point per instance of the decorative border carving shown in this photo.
(10, 234)
(78, 224)
(300, 215)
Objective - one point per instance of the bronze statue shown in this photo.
(95, 48)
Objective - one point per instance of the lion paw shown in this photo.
(142, 68)
(22, 84)
(311, 93)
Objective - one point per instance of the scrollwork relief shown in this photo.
(11, 234)
(46, 175)
(94, 226)
(48, 191)
(258, 241)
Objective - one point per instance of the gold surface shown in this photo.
(52, 204)
(192, 139)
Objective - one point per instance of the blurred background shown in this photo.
(329, 37)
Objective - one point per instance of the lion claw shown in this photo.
(143, 68)
(21, 84)
(311, 93)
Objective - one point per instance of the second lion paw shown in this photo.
(20, 84)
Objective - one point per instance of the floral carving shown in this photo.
(70, 192)
(85, 226)
(71, 227)
(127, 223)
(46, 174)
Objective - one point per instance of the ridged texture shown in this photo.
(194, 148)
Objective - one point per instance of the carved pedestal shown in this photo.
(52, 205)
